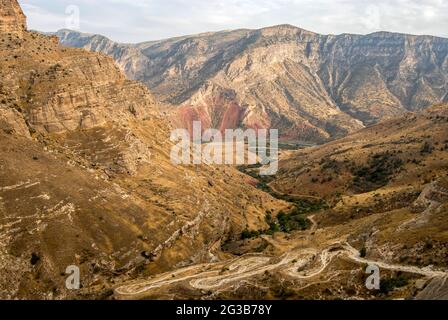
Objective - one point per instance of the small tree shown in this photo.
(363, 252)
(245, 234)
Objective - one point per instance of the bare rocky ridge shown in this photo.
(86, 177)
(312, 87)
(130, 59)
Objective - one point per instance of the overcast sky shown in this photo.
(142, 20)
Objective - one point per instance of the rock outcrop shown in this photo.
(63, 91)
(432, 196)
(12, 19)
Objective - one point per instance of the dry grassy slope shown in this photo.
(403, 138)
(86, 178)
(397, 205)
(310, 86)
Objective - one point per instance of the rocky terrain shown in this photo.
(385, 195)
(389, 182)
(311, 87)
(86, 177)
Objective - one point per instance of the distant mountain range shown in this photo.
(312, 87)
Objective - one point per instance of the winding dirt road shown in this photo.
(301, 264)
(298, 264)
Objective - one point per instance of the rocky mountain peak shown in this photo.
(12, 19)
(285, 28)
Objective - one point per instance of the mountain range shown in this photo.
(311, 87)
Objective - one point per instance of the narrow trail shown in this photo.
(353, 254)
(314, 225)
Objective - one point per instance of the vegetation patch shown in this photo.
(390, 284)
(377, 172)
(284, 222)
(293, 221)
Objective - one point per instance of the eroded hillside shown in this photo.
(387, 182)
(375, 198)
(86, 177)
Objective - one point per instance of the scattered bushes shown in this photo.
(292, 222)
(246, 234)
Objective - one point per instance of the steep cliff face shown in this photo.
(58, 90)
(383, 74)
(12, 19)
(86, 178)
(310, 86)
(130, 60)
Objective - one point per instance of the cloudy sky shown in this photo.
(142, 20)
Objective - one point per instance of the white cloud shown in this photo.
(142, 20)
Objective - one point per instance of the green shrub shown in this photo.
(363, 252)
(388, 285)
(247, 234)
